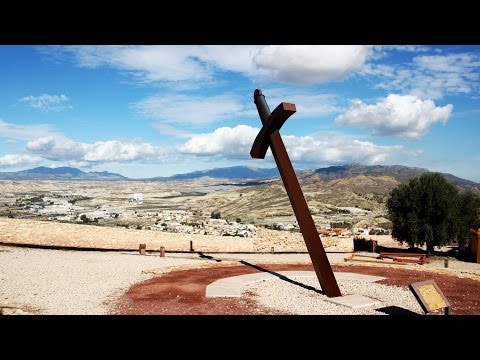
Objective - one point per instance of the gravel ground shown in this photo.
(293, 299)
(71, 282)
(46, 281)
(454, 265)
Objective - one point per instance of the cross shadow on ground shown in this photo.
(282, 277)
(395, 310)
(203, 256)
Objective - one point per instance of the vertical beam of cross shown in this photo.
(269, 136)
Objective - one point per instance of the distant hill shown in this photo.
(400, 173)
(353, 185)
(235, 172)
(60, 173)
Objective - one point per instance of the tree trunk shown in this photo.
(430, 248)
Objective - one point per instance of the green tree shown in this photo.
(215, 215)
(425, 211)
(468, 208)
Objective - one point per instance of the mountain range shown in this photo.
(231, 173)
(375, 173)
(60, 173)
(70, 173)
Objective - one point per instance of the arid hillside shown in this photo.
(270, 200)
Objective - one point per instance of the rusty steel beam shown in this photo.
(269, 136)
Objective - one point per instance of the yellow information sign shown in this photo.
(429, 295)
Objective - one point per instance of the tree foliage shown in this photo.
(429, 210)
(468, 216)
(215, 215)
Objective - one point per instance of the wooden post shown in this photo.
(143, 249)
(162, 251)
(191, 245)
(272, 250)
(475, 245)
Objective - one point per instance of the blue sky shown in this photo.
(146, 111)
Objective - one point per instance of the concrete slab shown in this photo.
(355, 276)
(297, 273)
(353, 301)
(232, 286)
(223, 291)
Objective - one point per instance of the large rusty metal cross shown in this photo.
(269, 136)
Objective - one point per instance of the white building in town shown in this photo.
(138, 197)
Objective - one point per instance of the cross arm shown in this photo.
(273, 123)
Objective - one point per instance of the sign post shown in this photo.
(430, 297)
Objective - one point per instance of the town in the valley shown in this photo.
(169, 210)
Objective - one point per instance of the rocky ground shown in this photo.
(45, 281)
(34, 232)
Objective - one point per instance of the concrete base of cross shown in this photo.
(353, 301)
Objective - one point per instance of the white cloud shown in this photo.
(16, 159)
(452, 63)
(238, 58)
(185, 109)
(307, 104)
(46, 102)
(227, 142)
(335, 148)
(63, 149)
(147, 63)
(223, 143)
(23, 132)
(398, 115)
(11, 141)
(379, 70)
(113, 150)
(310, 63)
(81, 164)
(197, 110)
(289, 63)
(172, 131)
(235, 143)
(429, 76)
(406, 48)
(383, 51)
